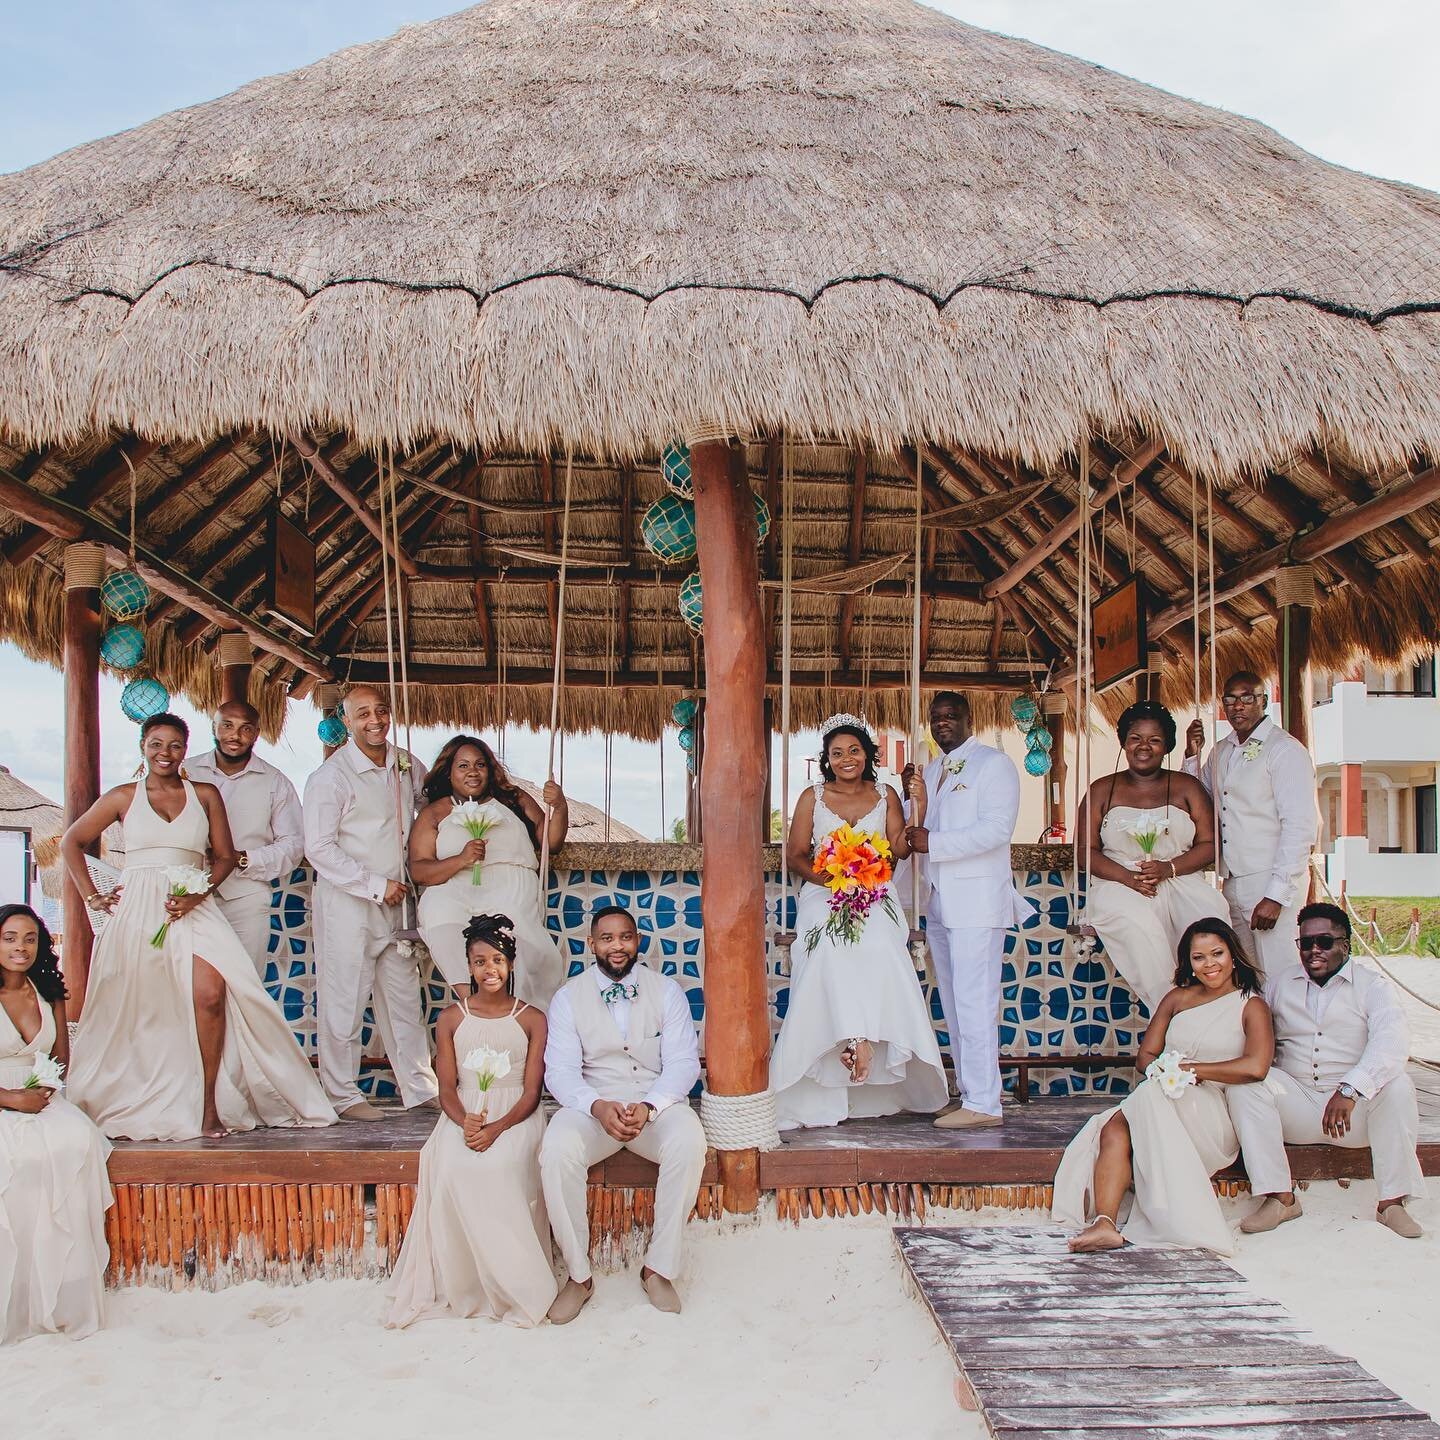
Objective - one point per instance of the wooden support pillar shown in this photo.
(732, 780)
(694, 815)
(767, 803)
(1352, 800)
(236, 655)
(84, 569)
(1295, 595)
(1055, 795)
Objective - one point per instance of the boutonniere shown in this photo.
(955, 766)
(402, 762)
(620, 991)
(1251, 749)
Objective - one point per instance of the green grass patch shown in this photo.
(1392, 915)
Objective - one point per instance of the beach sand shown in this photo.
(790, 1332)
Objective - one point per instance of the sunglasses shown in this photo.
(1317, 942)
(1248, 698)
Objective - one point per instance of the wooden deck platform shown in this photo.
(1135, 1345)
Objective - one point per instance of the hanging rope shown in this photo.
(500, 664)
(557, 679)
(612, 619)
(784, 936)
(660, 691)
(1214, 655)
(918, 954)
(1084, 677)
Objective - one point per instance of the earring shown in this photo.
(184, 774)
(139, 770)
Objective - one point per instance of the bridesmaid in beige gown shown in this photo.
(1160, 1150)
(180, 1039)
(54, 1191)
(478, 1243)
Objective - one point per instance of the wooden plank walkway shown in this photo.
(1136, 1345)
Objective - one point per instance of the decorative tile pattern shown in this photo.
(1051, 1002)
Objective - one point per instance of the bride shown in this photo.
(856, 1038)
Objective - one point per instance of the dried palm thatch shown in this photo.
(23, 806)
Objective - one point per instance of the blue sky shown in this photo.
(1349, 81)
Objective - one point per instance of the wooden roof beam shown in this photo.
(1354, 489)
(326, 470)
(859, 469)
(1301, 513)
(627, 555)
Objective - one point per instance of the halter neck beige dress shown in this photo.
(54, 1193)
(136, 1059)
(509, 885)
(478, 1243)
(1177, 1144)
(1141, 934)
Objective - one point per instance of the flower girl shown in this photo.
(53, 1188)
(479, 1241)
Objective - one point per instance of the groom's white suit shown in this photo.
(973, 902)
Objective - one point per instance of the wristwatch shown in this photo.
(242, 862)
(1348, 1091)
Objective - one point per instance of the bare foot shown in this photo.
(212, 1127)
(847, 1057)
(864, 1054)
(1100, 1235)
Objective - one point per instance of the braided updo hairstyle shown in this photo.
(1149, 710)
(497, 931)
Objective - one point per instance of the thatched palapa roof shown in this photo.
(537, 229)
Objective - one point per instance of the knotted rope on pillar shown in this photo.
(740, 1122)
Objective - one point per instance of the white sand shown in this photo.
(787, 1332)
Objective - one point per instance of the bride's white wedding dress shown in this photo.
(841, 991)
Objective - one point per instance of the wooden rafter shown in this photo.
(472, 484)
(338, 482)
(855, 548)
(1333, 474)
(1299, 512)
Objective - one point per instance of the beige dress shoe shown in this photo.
(364, 1110)
(571, 1300)
(1269, 1214)
(1397, 1218)
(963, 1119)
(661, 1293)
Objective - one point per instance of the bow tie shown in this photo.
(619, 991)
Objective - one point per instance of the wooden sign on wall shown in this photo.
(1119, 626)
(290, 583)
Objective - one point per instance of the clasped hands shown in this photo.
(621, 1122)
(917, 837)
(481, 1132)
(177, 907)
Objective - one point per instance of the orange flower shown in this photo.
(854, 860)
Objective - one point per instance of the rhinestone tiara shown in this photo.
(843, 721)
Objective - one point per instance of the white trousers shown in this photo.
(967, 971)
(357, 960)
(1266, 1116)
(248, 916)
(574, 1142)
(1271, 950)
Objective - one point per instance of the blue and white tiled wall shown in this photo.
(1051, 1001)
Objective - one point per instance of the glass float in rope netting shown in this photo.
(690, 761)
(1037, 762)
(1024, 711)
(762, 515)
(668, 528)
(692, 603)
(683, 711)
(687, 738)
(1038, 737)
(124, 594)
(144, 697)
(332, 731)
(675, 468)
(122, 647)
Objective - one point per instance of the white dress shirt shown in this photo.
(348, 780)
(265, 819)
(679, 1047)
(1266, 807)
(1354, 1022)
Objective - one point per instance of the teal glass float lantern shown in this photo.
(332, 731)
(1039, 738)
(1037, 762)
(122, 647)
(683, 711)
(668, 529)
(124, 595)
(687, 738)
(692, 603)
(1024, 710)
(675, 469)
(144, 697)
(762, 515)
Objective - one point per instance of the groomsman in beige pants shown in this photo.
(621, 1059)
(358, 809)
(265, 824)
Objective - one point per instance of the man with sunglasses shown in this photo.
(1341, 1047)
(1262, 781)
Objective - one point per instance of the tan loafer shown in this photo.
(432, 1104)
(571, 1300)
(965, 1119)
(363, 1110)
(1270, 1214)
(661, 1293)
(1397, 1218)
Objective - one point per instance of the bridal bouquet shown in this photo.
(48, 1072)
(857, 869)
(471, 815)
(1147, 828)
(181, 880)
(487, 1066)
(1167, 1073)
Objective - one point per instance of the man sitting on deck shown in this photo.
(1341, 1047)
(621, 1059)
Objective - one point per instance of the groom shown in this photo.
(621, 1059)
(974, 798)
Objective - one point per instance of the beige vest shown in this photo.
(619, 1067)
(247, 798)
(1249, 820)
(369, 829)
(1318, 1054)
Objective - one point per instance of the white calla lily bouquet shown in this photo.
(1147, 828)
(487, 1065)
(181, 880)
(471, 816)
(48, 1072)
(1168, 1073)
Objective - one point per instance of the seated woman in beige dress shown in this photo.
(1162, 1148)
(443, 857)
(1140, 903)
(54, 1191)
(479, 1241)
(180, 1038)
